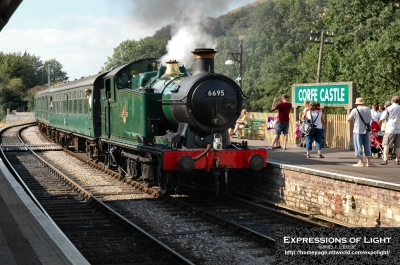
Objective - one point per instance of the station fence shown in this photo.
(335, 134)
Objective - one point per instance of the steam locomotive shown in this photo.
(159, 125)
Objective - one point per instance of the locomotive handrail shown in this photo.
(170, 81)
(204, 153)
(165, 82)
(170, 100)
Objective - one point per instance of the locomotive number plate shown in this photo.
(215, 93)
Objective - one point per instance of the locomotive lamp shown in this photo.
(237, 57)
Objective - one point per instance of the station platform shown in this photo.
(27, 235)
(336, 164)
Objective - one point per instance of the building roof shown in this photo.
(7, 9)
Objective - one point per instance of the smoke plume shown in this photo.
(189, 18)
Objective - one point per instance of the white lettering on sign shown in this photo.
(333, 94)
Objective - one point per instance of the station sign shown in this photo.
(327, 94)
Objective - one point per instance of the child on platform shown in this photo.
(297, 134)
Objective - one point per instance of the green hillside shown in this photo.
(277, 52)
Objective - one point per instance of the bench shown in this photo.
(253, 131)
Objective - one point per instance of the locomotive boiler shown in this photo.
(160, 125)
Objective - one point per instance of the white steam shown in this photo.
(188, 34)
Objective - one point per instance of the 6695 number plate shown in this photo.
(215, 93)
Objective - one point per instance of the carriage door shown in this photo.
(107, 111)
(50, 109)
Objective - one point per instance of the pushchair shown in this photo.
(376, 137)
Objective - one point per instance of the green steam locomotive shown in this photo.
(158, 124)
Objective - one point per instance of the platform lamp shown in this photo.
(238, 57)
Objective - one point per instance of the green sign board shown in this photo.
(334, 94)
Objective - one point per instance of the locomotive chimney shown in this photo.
(203, 61)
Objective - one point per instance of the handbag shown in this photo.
(367, 125)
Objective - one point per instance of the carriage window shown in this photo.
(64, 104)
(70, 103)
(85, 104)
(59, 103)
(79, 102)
(74, 104)
(55, 103)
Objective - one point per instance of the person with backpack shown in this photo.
(315, 116)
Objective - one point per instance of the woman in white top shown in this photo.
(306, 108)
(316, 116)
(375, 113)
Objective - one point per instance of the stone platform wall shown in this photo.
(337, 198)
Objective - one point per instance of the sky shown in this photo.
(80, 34)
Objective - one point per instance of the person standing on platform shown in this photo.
(392, 131)
(306, 108)
(278, 140)
(383, 121)
(297, 134)
(316, 116)
(282, 124)
(361, 115)
(375, 113)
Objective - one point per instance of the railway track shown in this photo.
(203, 228)
(243, 217)
(102, 235)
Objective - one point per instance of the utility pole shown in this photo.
(322, 41)
(48, 74)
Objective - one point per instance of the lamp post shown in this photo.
(238, 57)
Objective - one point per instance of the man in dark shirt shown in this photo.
(282, 125)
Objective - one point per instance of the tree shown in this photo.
(366, 48)
(275, 37)
(56, 72)
(11, 98)
(131, 50)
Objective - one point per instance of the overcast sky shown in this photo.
(80, 34)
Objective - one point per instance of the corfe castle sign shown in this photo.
(327, 94)
(323, 94)
(341, 94)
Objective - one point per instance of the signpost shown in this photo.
(340, 94)
(327, 94)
